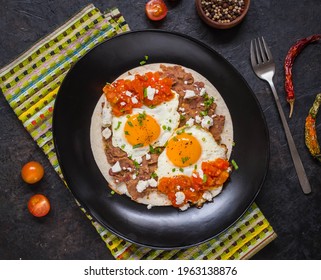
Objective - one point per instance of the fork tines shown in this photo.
(260, 53)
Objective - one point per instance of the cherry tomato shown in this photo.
(39, 205)
(32, 172)
(156, 9)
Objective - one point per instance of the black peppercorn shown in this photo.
(223, 11)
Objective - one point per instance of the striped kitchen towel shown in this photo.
(30, 85)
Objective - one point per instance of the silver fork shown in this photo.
(264, 67)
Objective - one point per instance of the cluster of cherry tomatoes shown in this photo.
(38, 205)
(156, 9)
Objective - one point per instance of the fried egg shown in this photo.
(145, 127)
(186, 150)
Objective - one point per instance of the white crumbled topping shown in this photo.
(194, 175)
(122, 103)
(178, 187)
(186, 82)
(116, 167)
(190, 122)
(134, 100)
(198, 119)
(181, 109)
(129, 169)
(192, 190)
(207, 196)
(152, 182)
(207, 122)
(184, 207)
(139, 160)
(180, 197)
(106, 116)
(134, 176)
(142, 185)
(189, 94)
(128, 93)
(149, 206)
(150, 92)
(106, 133)
(200, 173)
(202, 92)
(148, 156)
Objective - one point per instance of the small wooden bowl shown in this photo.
(221, 25)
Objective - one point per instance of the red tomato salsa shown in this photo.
(124, 94)
(215, 173)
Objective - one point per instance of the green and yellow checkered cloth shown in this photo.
(30, 85)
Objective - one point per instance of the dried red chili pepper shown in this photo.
(289, 60)
(311, 139)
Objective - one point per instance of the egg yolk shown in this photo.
(183, 150)
(141, 130)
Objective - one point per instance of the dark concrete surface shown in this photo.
(66, 233)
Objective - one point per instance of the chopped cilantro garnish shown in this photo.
(126, 132)
(236, 167)
(204, 178)
(144, 61)
(118, 125)
(130, 123)
(181, 169)
(153, 150)
(154, 175)
(138, 145)
(184, 159)
(141, 117)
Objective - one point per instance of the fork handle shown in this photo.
(305, 185)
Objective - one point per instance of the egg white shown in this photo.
(210, 151)
(166, 116)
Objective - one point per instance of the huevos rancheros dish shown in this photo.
(162, 134)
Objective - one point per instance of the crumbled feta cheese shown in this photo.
(148, 156)
(142, 185)
(128, 93)
(184, 207)
(202, 92)
(129, 169)
(181, 109)
(106, 116)
(207, 122)
(198, 119)
(106, 133)
(178, 187)
(207, 196)
(150, 92)
(180, 197)
(149, 206)
(192, 190)
(122, 103)
(152, 182)
(139, 160)
(134, 176)
(116, 167)
(134, 100)
(200, 173)
(189, 94)
(190, 122)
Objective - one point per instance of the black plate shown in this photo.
(159, 227)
